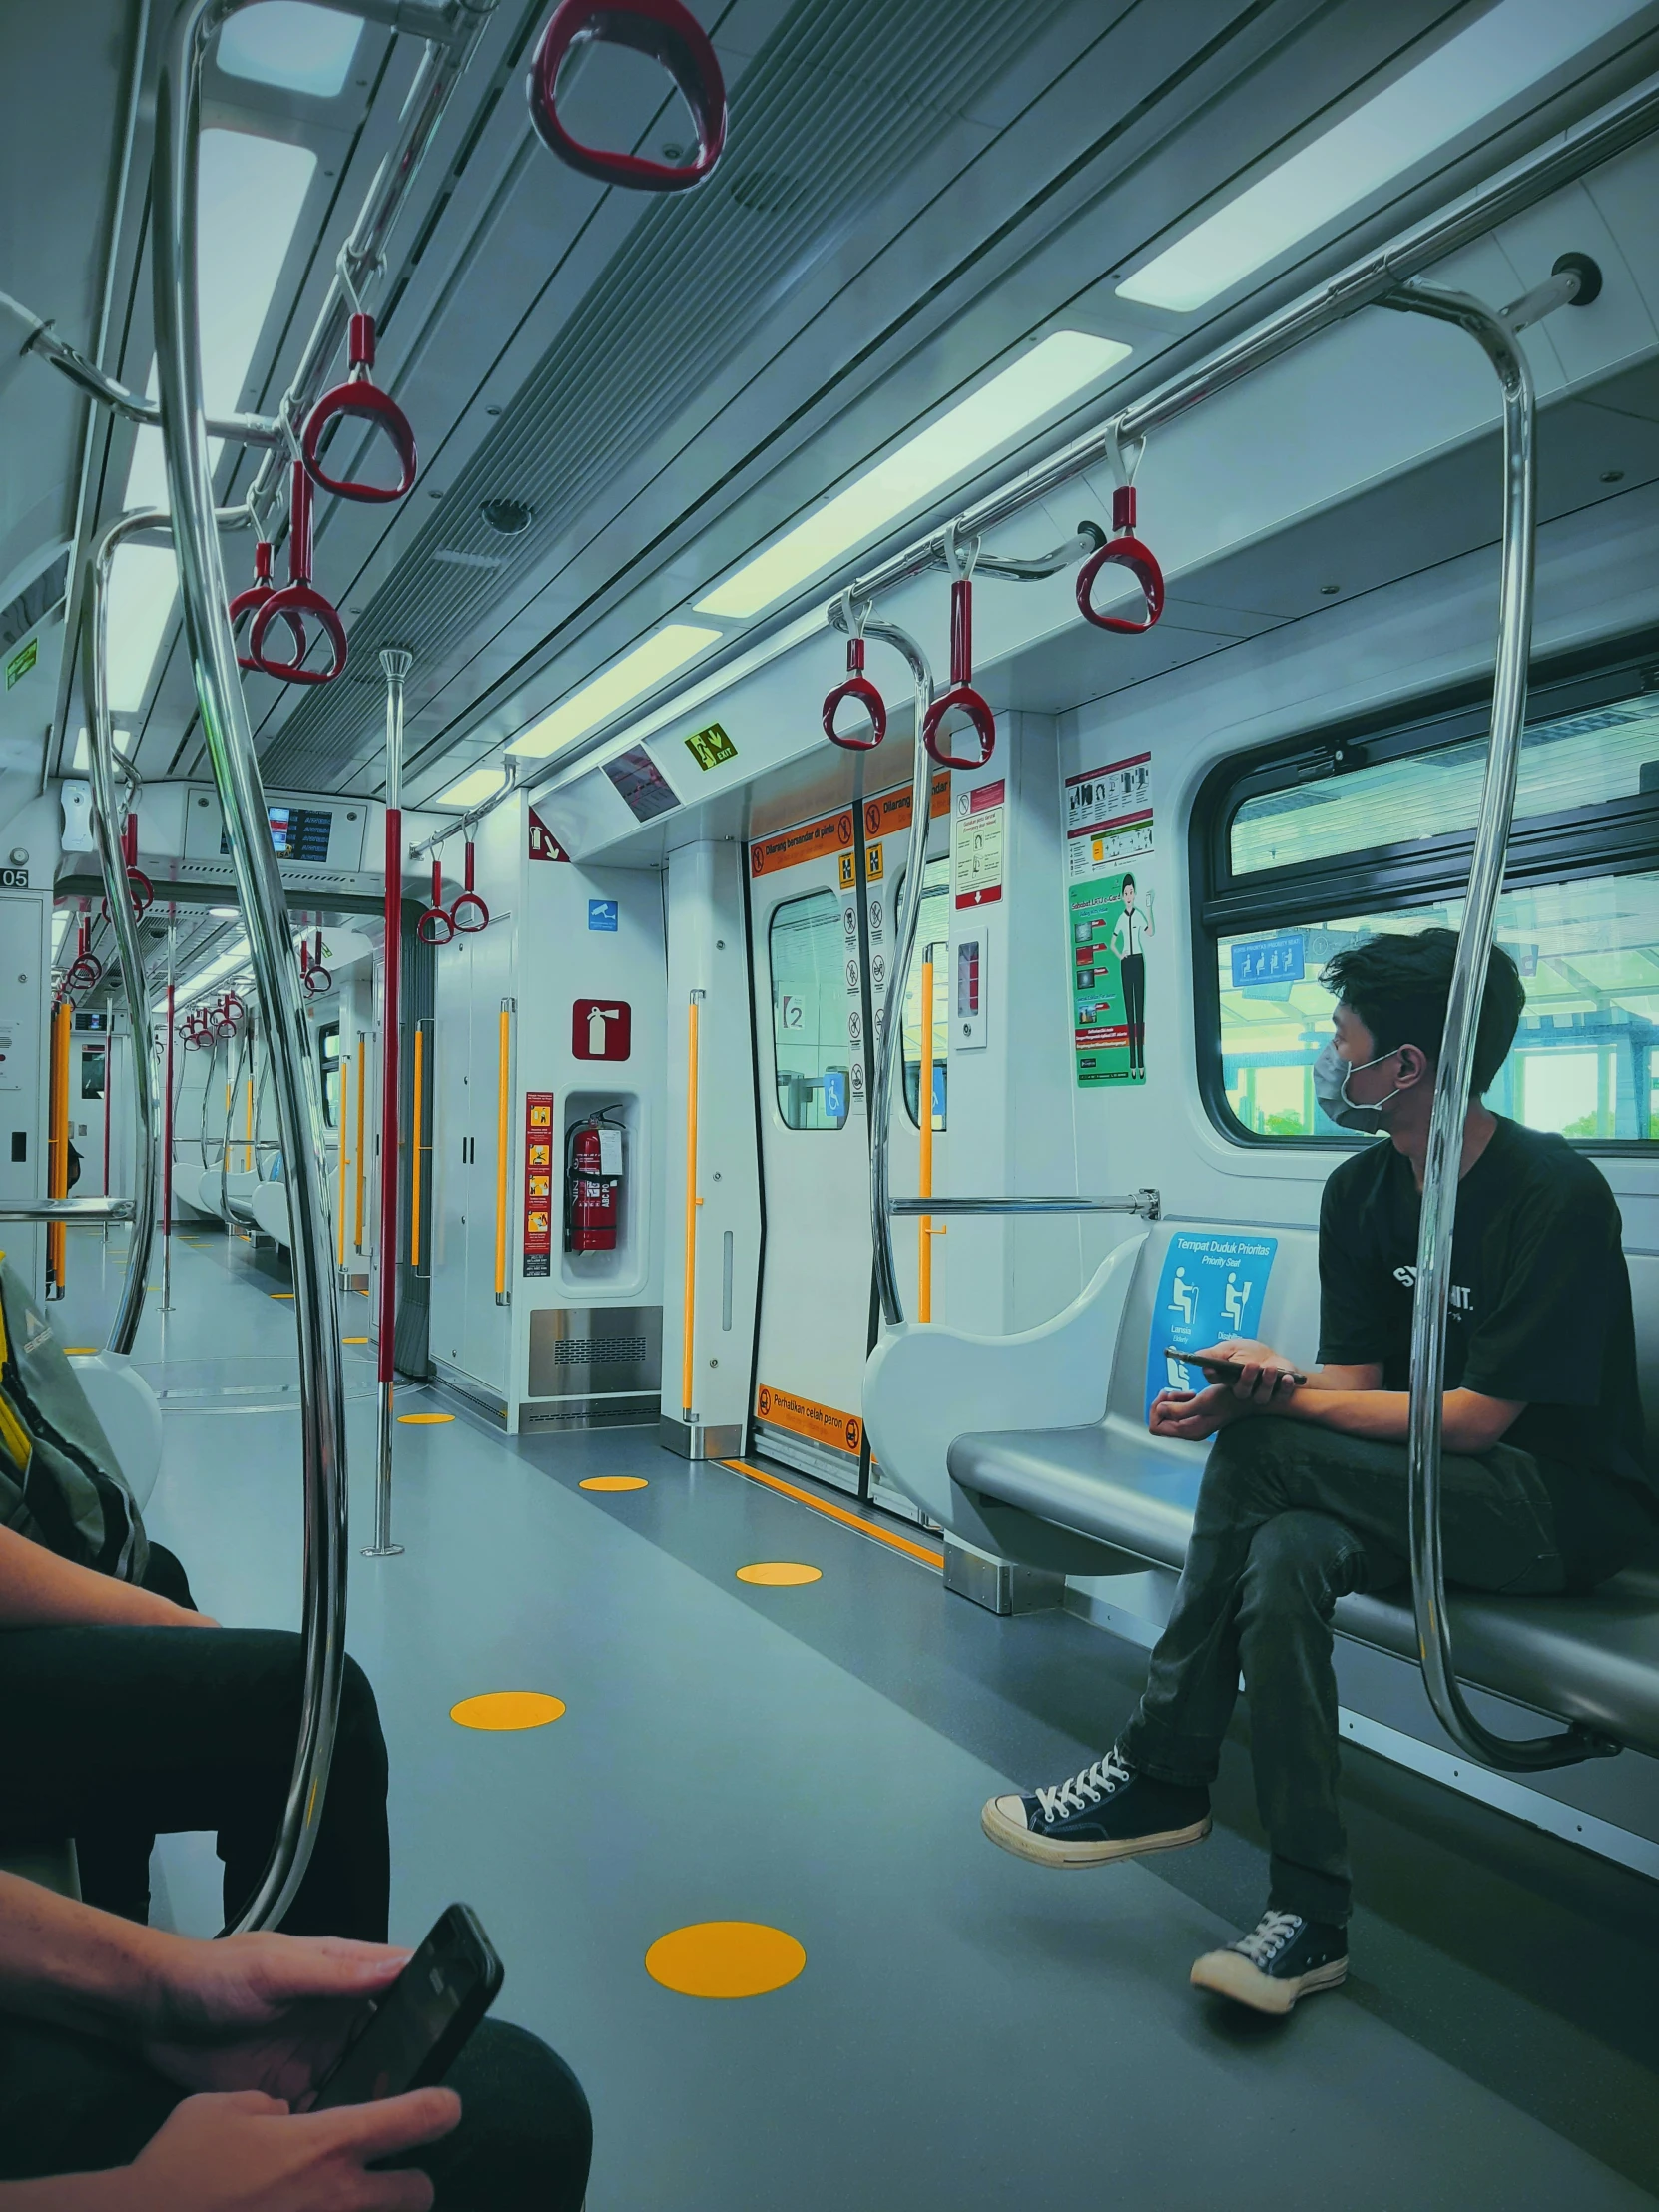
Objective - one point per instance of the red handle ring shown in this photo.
(319, 980)
(297, 599)
(142, 890)
(1123, 551)
(857, 686)
(671, 36)
(434, 926)
(961, 698)
(469, 899)
(250, 601)
(363, 399)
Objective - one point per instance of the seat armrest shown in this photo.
(925, 1384)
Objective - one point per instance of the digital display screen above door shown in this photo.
(297, 832)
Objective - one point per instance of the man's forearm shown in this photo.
(1468, 1421)
(70, 1964)
(40, 1590)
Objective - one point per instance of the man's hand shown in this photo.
(249, 2153)
(269, 2012)
(1253, 1372)
(1194, 1415)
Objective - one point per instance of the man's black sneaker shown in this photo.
(1281, 1959)
(1106, 1812)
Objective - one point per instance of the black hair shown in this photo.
(1128, 885)
(1398, 987)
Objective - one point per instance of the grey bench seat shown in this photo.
(1593, 1659)
(1035, 1446)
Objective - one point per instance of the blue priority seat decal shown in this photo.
(1212, 1287)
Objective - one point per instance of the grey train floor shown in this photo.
(968, 2030)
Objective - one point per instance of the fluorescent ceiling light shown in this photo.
(215, 971)
(472, 788)
(250, 186)
(81, 764)
(661, 653)
(225, 914)
(1514, 45)
(1043, 380)
(287, 43)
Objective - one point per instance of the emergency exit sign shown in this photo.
(709, 748)
(21, 662)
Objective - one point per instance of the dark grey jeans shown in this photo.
(1289, 1518)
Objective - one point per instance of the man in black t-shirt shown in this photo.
(1305, 1498)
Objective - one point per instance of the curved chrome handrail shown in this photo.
(229, 737)
(118, 896)
(891, 1017)
(1496, 334)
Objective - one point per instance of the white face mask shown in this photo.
(1330, 1080)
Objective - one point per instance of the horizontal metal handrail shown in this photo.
(1147, 1202)
(71, 1209)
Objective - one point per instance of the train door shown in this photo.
(470, 1331)
(814, 1005)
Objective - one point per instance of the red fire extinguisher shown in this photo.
(593, 1185)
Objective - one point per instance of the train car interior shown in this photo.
(830, 899)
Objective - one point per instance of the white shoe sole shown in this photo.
(1231, 1976)
(1009, 1832)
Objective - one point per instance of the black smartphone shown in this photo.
(412, 2036)
(1216, 1367)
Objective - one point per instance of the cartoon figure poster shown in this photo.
(1211, 1289)
(1109, 920)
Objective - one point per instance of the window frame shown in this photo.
(806, 1129)
(1618, 837)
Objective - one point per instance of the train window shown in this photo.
(328, 1054)
(809, 1013)
(932, 929)
(1308, 852)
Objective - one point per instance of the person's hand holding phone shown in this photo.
(1256, 1374)
(266, 2012)
(247, 2152)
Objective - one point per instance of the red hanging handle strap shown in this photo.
(142, 890)
(360, 399)
(1122, 550)
(249, 602)
(435, 926)
(857, 687)
(298, 601)
(961, 698)
(468, 914)
(671, 37)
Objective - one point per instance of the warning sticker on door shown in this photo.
(1211, 1289)
(825, 1424)
(977, 845)
(538, 1182)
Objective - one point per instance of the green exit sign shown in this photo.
(21, 662)
(708, 747)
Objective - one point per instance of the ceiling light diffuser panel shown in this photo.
(667, 650)
(1515, 44)
(1052, 374)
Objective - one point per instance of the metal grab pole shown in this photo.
(693, 1202)
(1444, 1164)
(228, 738)
(397, 663)
(167, 1125)
(924, 1119)
(359, 1163)
(57, 1145)
(891, 1018)
(118, 897)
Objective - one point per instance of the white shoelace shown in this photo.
(1083, 1790)
(1268, 1937)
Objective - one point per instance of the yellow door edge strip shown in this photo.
(928, 1558)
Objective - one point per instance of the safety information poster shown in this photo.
(977, 845)
(1109, 917)
(1211, 1289)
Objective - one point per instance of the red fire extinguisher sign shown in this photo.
(538, 1182)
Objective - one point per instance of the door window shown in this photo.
(932, 934)
(812, 1057)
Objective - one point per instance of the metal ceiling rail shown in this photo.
(1624, 123)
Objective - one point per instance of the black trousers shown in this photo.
(117, 1735)
(77, 2105)
(1132, 971)
(1289, 1518)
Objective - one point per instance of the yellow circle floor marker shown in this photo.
(281, 1294)
(354, 1340)
(725, 1958)
(424, 1421)
(779, 1574)
(79, 1352)
(614, 1482)
(502, 1709)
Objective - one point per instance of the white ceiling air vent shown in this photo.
(844, 98)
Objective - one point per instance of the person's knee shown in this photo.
(1298, 1560)
(1239, 1473)
(526, 2134)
